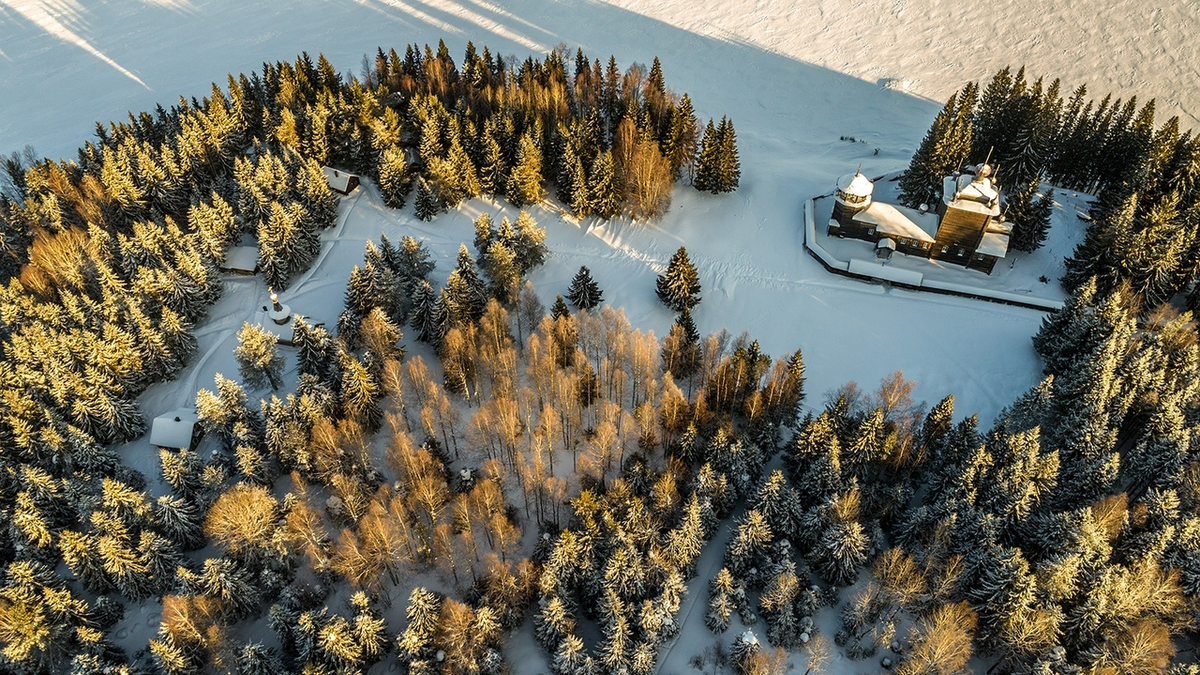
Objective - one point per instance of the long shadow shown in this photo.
(778, 102)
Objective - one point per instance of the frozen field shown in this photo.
(795, 77)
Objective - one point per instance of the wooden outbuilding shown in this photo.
(339, 181)
(240, 260)
(177, 429)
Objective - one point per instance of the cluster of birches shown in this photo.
(1064, 539)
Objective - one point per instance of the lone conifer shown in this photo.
(679, 286)
(584, 293)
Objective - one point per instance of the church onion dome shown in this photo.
(854, 188)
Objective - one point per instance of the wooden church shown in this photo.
(965, 228)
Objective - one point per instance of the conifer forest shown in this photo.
(449, 468)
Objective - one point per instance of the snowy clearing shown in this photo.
(794, 76)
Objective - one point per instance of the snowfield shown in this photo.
(795, 77)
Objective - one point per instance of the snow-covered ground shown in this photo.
(795, 77)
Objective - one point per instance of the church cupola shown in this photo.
(853, 194)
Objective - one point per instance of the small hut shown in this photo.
(241, 260)
(177, 429)
(277, 318)
(339, 181)
(884, 248)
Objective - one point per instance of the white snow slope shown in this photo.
(794, 76)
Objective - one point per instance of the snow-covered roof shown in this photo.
(174, 429)
(896, 221)
(241, 259)
(994, 244)
(980, 190)
(855, 184)
(999, 226)
(278, 312)
(970, 193)
(338, 180)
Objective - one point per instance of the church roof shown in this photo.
(855, 184)
(897, 221)
(993, 244)
(970, 193)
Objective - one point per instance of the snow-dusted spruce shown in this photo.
(718, 168)
(943, 150)
(428, 205)
(679, 286)
(584, 292)
(259, 361)
(723, 595)
(1029, 212)
(509, 253)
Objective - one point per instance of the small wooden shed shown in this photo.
(339, 181)
(177, 429)
(241, 260)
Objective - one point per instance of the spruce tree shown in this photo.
(255, 659)
(778, 605)
(942, 151)
(584, 293)
(681, 143)
(360, 393)
(528, 244)
(1030, 217)
(729, 166)
(313, 346)
(493, 169)
(286, 246)
(467, 291)
(500, 266)
(525, 183)
(485, 232)
(394, 181)
(604, 190)
(707, 164)
(559, 309)
(842, 551)
(413, 263)
(258, 360)
(428, 205)
(679, 286)
(992, 124)
(722, 601)
(424, 300)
